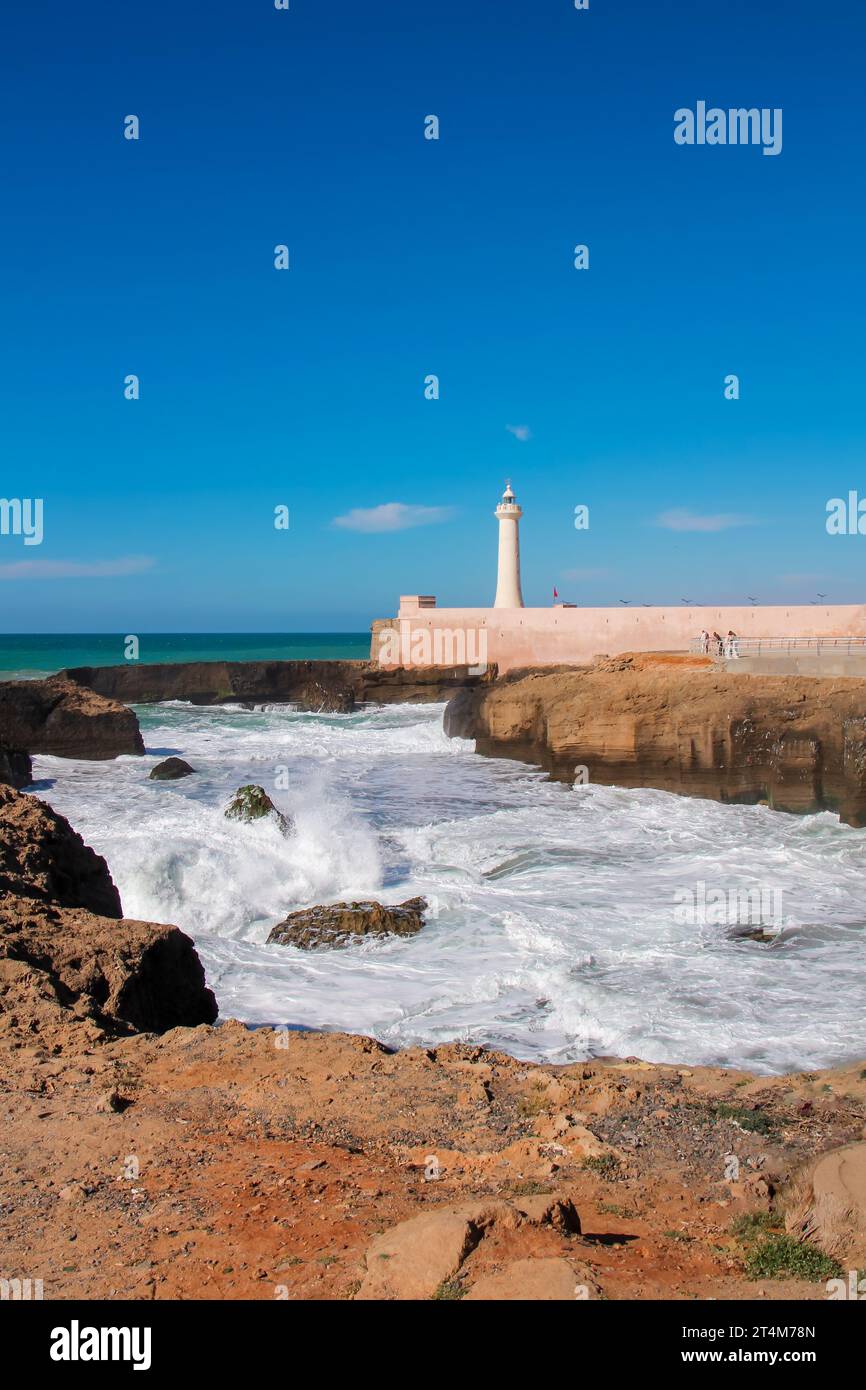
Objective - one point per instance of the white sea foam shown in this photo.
(553, 930)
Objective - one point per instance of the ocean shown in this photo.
(555, 930)
(30, 656)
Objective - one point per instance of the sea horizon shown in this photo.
(35, 655)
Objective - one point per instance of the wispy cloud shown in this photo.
(521, 432)
(681, 519)
(76, 569)
(391, 516)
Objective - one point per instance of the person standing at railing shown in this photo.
(731, 644)
(719, 644)
(704, 642)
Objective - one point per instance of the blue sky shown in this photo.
(410, 257)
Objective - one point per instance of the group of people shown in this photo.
(719, 645)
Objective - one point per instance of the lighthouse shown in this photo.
(508, 514)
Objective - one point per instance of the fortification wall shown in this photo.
(521, 637)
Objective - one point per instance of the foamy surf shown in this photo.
(556, 928)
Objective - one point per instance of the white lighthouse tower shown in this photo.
(508, 514)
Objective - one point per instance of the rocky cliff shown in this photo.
(681, 726)
(65, 718)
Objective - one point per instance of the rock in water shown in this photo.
(337, 923)
(170, 769)
(251, 803)
(67, 720)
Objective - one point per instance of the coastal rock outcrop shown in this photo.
(42, 857)
(335, 924)
(314, 685)
(170, 770)
(16, 769)
(66, 719)
(144, 975)
(252, 803)
(796, 742)
(66, 950)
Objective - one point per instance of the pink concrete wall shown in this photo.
(561, 636)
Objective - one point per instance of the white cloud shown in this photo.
(391, 516)
(521, 432)
(681, 519)
(76, 569)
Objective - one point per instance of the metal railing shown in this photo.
(782, 646)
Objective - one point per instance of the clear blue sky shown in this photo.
(411, 257)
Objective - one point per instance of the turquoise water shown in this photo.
(40, 654)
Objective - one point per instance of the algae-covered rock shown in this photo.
(251, 803)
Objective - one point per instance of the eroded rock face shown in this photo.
(336, 924)
(66, 952)
(797, 742)
(43, 858)
(142, 974)
(317, 685)
(321, 698)
(252, 803)
(16, 769)
(170, 770)
(57, 716)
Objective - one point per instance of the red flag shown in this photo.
(555, 594)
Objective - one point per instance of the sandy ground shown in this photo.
(225, 1163)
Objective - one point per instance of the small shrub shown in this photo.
(606, 1165)
(614, 1209)
(530, 1189)
(755, 1121)
(782, 1256)
(448, 1291)
(752, 1225)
